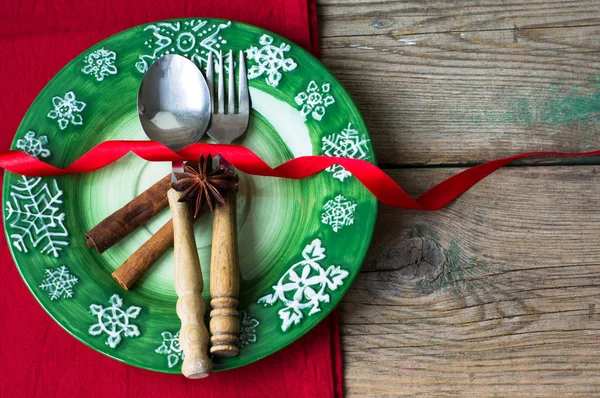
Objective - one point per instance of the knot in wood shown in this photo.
(414, 259)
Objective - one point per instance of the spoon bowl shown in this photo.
(174, 102)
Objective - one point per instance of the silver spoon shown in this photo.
(174, 103)
(174, 108)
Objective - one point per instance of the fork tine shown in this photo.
(210, 80)
(244, 101)
(221, 95)
(231, 92)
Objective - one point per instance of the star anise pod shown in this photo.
(205, 185)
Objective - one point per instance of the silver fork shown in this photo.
(226, 126)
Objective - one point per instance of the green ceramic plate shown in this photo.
(301, 243)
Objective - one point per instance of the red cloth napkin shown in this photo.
(37, 357)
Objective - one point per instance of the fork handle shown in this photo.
(193, 335)
(224, 280)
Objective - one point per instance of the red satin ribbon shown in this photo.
(372, 177)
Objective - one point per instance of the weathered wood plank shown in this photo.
(496, 295)
(461, 82)
(340, 18)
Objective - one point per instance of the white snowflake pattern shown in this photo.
(270, 60)
(305, 285)
(114, 321)
(347, 144)
(315, 99)
(338, 213)
(34, 146)
(248, 327)
(194, 39)
(100, 63)
(66, 110)
(171, 348)
(59, 282)
(34, 209)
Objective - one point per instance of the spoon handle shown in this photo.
(224, 281)
(193, 336)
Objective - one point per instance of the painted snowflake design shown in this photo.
(193, 39)
(248, 327)
(315, 99)
(305, 286)
(100, 63)
(114, 321)
(270, 60)
(59, 282)
(338, 213)
(347, 144)
(33, 209)
(34, 146)
(66, 110)
(171, 348)
(35, 217)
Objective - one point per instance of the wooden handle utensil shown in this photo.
(193, 336)
(224, 280)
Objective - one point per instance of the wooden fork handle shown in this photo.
(224, 281)
(193, 335)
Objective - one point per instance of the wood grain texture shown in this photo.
(193, 335)
(460, 82)
(496, 295)
(224, 281)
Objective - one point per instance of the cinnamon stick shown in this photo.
(131, 216)
(138, 263)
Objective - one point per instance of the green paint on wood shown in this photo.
(421, 231)
(454, 276)
(555, 105)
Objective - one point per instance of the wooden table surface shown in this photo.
(499, 293)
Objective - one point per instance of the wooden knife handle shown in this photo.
(193, 335)
(224, 281)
